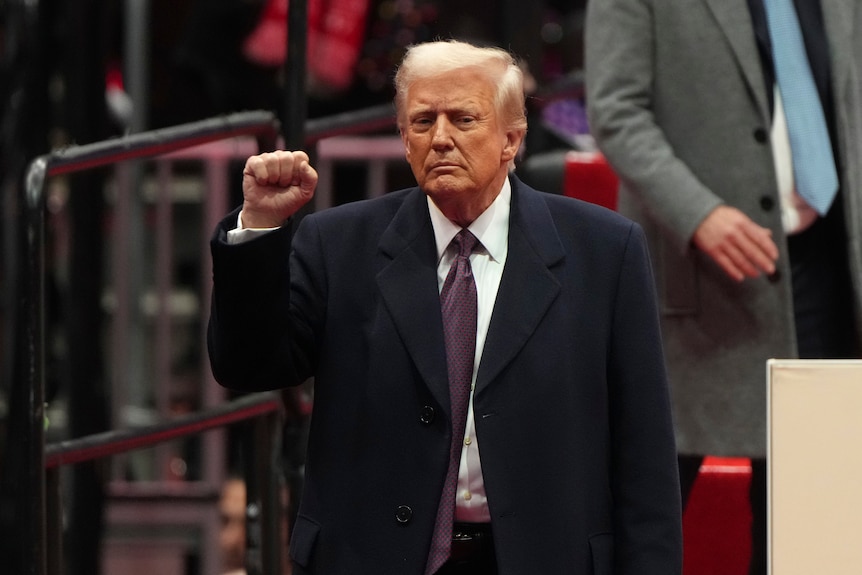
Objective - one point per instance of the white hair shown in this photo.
(432, 59)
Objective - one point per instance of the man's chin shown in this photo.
(443, 187)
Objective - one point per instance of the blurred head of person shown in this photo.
(231, 507)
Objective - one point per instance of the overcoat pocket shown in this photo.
(303, 539)
(602, 550)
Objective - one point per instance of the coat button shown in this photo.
(403, 514)
(760, 135)
(767, 203)
(427, 415)
(774, 277)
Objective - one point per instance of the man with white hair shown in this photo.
(490, 392)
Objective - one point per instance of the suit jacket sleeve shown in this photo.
(644, 477)
(257, 338)
(621, 69)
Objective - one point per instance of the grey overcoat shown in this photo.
(677, 103)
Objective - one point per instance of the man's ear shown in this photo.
(513, 144)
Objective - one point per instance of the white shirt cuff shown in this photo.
(239, 234)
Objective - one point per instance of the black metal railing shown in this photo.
(121, 441)
(27, 393)
(263, 410)
(39, 480)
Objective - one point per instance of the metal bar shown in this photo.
(136, 62)
(269, 469)
(54, 522)
(118, 441)
(163, 320)
(212, 445)
(161, 141)
(265, 508)
(121, 319)
(295, 103)
(364, 121)
(175, 138)
(32, 367)
(253, 500)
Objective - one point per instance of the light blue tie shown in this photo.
(811, 150)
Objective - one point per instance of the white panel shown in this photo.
(815, 466)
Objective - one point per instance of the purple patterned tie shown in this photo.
(458, 302)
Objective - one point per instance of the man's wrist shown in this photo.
(241, 233)
(252, 223)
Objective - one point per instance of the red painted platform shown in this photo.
(717, 520)
(588, 176)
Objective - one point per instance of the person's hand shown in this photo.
(275, 185)
(736, 243)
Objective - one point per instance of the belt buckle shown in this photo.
(461, 536)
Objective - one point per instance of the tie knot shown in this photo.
(465, 242)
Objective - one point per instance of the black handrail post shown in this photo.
(265, 512)
(295, 104)
(54, 520)
(272, 489)
(253, 503)
(32, 363)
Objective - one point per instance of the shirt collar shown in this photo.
(491, 228)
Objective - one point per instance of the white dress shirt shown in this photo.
(492, 230)
(796, 214)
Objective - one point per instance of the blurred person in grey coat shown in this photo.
(682, 100)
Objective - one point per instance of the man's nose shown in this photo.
(442, 136)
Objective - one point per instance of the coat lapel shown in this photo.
(527, 287)
(734, 19)
(408, 286)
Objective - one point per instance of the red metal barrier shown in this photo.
(717, 519)
(589, 177)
